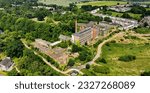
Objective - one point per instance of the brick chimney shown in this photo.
(76, 26)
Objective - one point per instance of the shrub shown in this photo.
(102, 60)
(145, 73)
(76, 48)
(127, 58)
(101, 69)
(71, 62)
(87, 66)
(63, 45)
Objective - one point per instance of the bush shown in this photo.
(145, 73)
(107, 19)
(76, 48)
(101, 69)
(127, 58)
(71, 62)
(63, 44)
(138, 10)
(102, 60)
(87, 66)
(126, 15)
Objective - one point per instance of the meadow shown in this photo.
(112, 52)
(58, 2)
(118, 14)
(101, 3)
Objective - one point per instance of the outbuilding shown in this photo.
(6, 64)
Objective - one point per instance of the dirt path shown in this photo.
(98, 54)
(99, 49)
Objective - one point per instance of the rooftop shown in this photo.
(6, 62)
(82, 31)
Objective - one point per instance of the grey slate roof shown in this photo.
(6, 62)
(83, 31)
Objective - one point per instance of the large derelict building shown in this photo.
(84, 36)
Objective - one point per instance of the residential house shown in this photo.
(6, 64)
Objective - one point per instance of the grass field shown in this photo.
(3, 73)
(147, 8)
(101, 3)
(130, 46)
(146, 2)
(134, 16)
(114, 51)
(58, 2)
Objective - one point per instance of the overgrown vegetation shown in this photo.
(142, 30)
(31, 65)
(101, 69)
(127, 58)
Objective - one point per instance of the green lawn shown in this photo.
(112, 52)
(101, 3)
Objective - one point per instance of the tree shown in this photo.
(127, 58)
(126, 15)
(71, 62)
(138, 10)
(83, 55)
(107, 19)
(87, 66)
(101, 69)
(14, 48)
(87, 7)
(145, 24)
(13, 73)
(102, 60)
(75, 48)
(146, 73)
(41, 14)
(147, 13)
